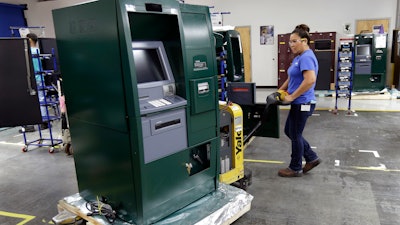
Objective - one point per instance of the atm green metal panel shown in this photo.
(370, 69)
(94, 42)
(200, 63)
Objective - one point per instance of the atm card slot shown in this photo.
(167, 121)
(167, 124)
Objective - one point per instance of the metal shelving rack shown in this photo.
(221, 66)
(222, 79)
(344, 75)
(50, 101)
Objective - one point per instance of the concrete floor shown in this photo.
(357, 183)
(32, 183)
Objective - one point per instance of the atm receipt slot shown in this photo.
(203, 88)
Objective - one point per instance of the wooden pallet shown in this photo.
(228, 203)
(64, 206)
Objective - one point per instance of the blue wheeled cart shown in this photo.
(49, 103)
(42, 141)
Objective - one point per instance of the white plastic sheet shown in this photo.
(224, 205)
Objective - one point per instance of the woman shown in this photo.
(300, 88)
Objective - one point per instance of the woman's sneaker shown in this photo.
(287, 172)
(310, 165)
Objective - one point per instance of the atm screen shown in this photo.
(363, 50)
(154, 76)
(148, 65)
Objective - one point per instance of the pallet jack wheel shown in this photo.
(245, 181)
(51, 150)
(25, 149)
(248, 174)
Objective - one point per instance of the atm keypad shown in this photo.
(159, 102)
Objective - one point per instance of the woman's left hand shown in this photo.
(288, 98)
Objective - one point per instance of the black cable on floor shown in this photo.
(99, 208)
(102, 209)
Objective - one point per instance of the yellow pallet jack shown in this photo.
(233, 140)
(232, 146)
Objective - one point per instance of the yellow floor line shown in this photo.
(375, 169)
(353, 109)
(376, 110)
(10, 143)
(264, 161)
(354, 167)
(26, 218)
(358, 110)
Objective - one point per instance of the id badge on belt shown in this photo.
(305, 107)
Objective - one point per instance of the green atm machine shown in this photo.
(370, 56)
(140, 85)
(229, 52)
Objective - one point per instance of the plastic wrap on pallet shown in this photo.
(80, 203)
(216, 208)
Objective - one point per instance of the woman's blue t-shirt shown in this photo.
(305, 61)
